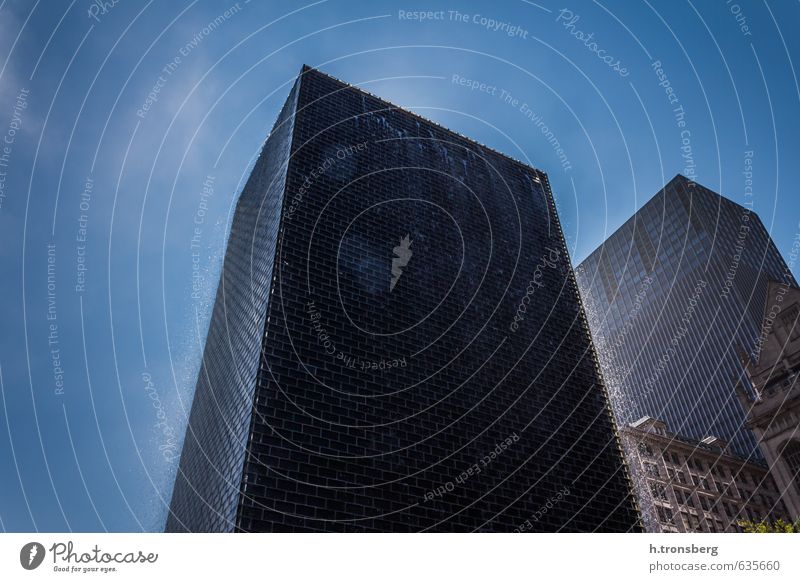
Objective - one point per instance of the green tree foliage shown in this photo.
(777, 526)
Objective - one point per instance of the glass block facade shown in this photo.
(424, 360)
(672, 297)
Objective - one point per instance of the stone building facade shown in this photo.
(771, 396)
(684, 485)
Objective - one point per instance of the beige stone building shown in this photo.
(772, 399)
(684, 485)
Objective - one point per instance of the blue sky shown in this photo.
(106, 295)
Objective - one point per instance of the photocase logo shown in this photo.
(402, 256)
(31, 555)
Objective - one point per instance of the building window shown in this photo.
(645, 450)
(664, 514)
(731, 510)
(789, 320)
(791, 456)
(682, 477)
(651, 469)
(659, 491)
(686, 523)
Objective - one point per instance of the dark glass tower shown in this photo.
(397, 342)
(672, 297)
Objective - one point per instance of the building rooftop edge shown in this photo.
(677, 177)
(307, 68)
(697, 444)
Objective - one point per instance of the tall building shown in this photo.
(770, 394)
(696, 486)
(669, 296)
(397, 342)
